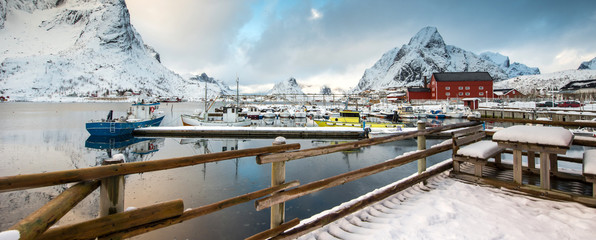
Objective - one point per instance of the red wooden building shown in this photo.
(508, 93)
(455, 85)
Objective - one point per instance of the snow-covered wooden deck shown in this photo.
(447, 208)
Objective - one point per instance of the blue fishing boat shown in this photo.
(436, 114)
(139, 115)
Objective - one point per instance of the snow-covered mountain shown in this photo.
(214, 87)
(53, 48)
(513, 70)
(588, 65)
(325, 90)
(289, 86)
(426, 53)
(536, 84)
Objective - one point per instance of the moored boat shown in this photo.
(348, 118)
(140, 115)
(435, 114)
(229, 118)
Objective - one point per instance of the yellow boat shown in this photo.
(349, 118)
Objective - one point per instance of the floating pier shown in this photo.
(252, 132)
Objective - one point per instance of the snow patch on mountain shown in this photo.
(425, 54)
(513, 70)
(79, 48)
(541, 83)
(289, 86)
(588, 65)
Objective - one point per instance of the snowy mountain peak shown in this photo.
(425, 54)
(289, 86)
(512, 69)
(54, 48)
(588, 65)
(427, 37)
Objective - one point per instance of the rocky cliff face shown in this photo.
(77, 48)
(588, 65)
(425, 54)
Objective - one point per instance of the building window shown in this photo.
(467, 94)
(447, 88)
(460, 88)
(447, 93)
(467, 88)
(460, 93)
(481, 88)
(481, 93)
(433, 94)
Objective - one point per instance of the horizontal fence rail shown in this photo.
(18, 182)
(311, 152)
(349, 176)
(116, 222)
(39, 221)
(554, 123)
(200, 211)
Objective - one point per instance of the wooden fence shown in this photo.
(149, 218)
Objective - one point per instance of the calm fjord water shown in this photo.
(43, 137)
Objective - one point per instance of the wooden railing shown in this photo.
(149, 218)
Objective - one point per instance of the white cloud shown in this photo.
(572, 58)
(314, 14)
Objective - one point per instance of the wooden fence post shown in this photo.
(278, 177)
(421, 146)
(111, 194)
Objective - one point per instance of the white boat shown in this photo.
(452, 111)
(300, 114)
(230, 118)
(269, 114)
(284, 114)
(406, 111)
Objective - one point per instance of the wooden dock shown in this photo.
(253, 132)
(556, 114)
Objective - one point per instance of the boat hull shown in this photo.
(188, 120)
(119, 128)
(325, 123)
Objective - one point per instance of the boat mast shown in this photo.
(205, 111)
(237, 98)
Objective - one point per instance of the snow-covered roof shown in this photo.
(462, 76)
(574, 85)
(418, 89)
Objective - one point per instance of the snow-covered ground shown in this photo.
(446, 208)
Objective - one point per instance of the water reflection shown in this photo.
(134, 149)
(57, 132)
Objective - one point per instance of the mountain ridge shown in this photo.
(79, 48)
(425, 53)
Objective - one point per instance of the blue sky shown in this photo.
(333, 42)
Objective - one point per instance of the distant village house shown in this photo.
(580, 90)
(507, 93)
